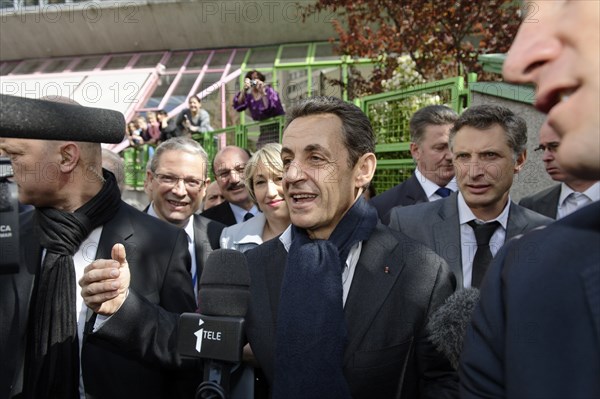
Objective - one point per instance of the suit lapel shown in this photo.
(201, 244)
(591, 283)
(446, 236)
(549, 204)
(517, 222)
(117, 230)
(229, 216)
(198, 243)
(415, 191)
(370, 277)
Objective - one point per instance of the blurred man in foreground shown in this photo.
(536, 331)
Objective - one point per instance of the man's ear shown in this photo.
(520, 161)
(414, 151)
(70, 153)
(364, 170)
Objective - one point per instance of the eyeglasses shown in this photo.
(552, 147)
(170, 180)
(225, 173)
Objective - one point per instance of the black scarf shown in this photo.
(52, 363)
(311, 331)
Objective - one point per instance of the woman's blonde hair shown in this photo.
(270, 156)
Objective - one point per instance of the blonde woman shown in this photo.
(264, 175)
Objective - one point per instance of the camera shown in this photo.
(253, 82)
(9, 220)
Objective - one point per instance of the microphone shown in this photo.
(448, 324)
(27, 118)
(216, 334)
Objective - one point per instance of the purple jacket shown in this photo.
(260, 109)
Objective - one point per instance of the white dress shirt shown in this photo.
(468, 243)
(240, 212)
(570, 201)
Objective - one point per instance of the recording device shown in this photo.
(28, 118)
(253, 82)
(448, 324)
(9, 220)
(216, 334)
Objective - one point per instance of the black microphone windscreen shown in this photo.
(224, 284)
(448, 324)
(27, 118)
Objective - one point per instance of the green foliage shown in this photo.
(442, 37)
(390, 118)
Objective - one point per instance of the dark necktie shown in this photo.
(248, 216)
(483, 256)
(443, 192)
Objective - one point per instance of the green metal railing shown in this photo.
(246, 135)
(136, 158)
(389, 113)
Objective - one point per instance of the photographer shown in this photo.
(263, 102)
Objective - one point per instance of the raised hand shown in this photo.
(105, 282)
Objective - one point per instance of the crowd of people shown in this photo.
(343, 285)
(259, 98)
(156, 126)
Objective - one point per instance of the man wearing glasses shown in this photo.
(177, 181)
(228, 167)
(565, 198)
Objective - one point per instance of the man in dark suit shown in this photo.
(339, 302)
(433, 176)
(488, 146)
(228, 167)
(79, 217)
(177, 180)
(563, 199)
(536, 331)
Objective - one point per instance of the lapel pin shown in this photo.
(386, 270)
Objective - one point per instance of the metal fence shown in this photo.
(389, 113)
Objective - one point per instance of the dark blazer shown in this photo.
(545, 202)
(388, 352)
(436, 225)
(409, 192)
(158, 260)
(536, 330)
(221, 213)
(207, 234)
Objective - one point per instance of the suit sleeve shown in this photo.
(481, 368)
(438, 378)
(147, 330)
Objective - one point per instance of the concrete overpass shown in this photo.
(117, 26)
